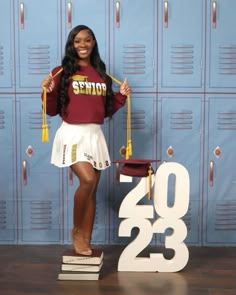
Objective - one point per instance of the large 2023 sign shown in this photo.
(136, 216)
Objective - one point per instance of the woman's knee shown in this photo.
(88, 180)
(85, 173)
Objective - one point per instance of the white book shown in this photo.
(71, 257)
(81, 267)
(78, 276)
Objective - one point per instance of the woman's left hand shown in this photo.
(125, 88)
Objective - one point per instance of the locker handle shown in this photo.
(214, 14)
(24, 172)
(117, 14)
(70, 176)
(22, 15)
(69, 14)
(211, 173)
(166, 14)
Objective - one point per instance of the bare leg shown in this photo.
(84, 206)
(89, 215)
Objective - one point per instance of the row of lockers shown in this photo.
(183, 109)
(183, 46)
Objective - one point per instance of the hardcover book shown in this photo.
(69, 256)
(81, 267)
(76, 276)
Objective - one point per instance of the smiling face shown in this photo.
(83, 44)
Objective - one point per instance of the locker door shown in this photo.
(93, 14)
(6, 46)
(40, 182)
(181, 45)
(220, 205)
(8, 196)
(37, 41)
(180, 126)
(71, 183)
(221, 46)
(133, 43)
(143, 135)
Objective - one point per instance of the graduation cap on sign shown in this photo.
(136, 168)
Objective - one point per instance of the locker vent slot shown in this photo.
(41, 215)
(39, 60)
(1, 60)
(138, 119)
(2, 120)
(227, 60)
(226, 120)
(225, 216)
(182, 59)
(35, 120)
(134, 59)
(3, 215)
(181, 120)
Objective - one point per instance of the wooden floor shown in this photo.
(33, 270)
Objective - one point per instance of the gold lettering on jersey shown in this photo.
(80, 85)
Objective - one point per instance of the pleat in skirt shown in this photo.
(80, 143)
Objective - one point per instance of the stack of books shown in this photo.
(81, 267)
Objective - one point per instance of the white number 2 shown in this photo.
(170, 217)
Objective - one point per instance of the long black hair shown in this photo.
(70, 66)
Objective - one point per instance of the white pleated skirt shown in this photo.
(80, 143)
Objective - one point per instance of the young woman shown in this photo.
(80, 91)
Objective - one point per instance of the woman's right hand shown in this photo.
(48, 83)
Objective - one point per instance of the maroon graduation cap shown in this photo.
(135, 168)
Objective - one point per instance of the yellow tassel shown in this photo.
(149, 183)
(45, 132)
(128, 127)
(128, 150)
(45, 136)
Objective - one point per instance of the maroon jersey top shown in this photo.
(87, 94)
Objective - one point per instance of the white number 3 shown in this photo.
(169, 217)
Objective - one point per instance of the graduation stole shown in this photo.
(45, 133)
(128, 150)
(45, 136)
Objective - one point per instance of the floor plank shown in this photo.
(33, 269)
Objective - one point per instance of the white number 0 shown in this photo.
(170, 217)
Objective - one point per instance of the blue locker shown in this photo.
(6, 46)
(71, 183)
(93, 14)
(143, 135)
(37, 25)
(221, 46)
(133, 43)
(220, 176)
(181, 35)
(8, 194)
(180, 130)
(39, 186)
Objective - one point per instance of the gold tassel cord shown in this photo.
(128, 128)
(129, 142)
(44, 116)
(149, 182)
(45, 133)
